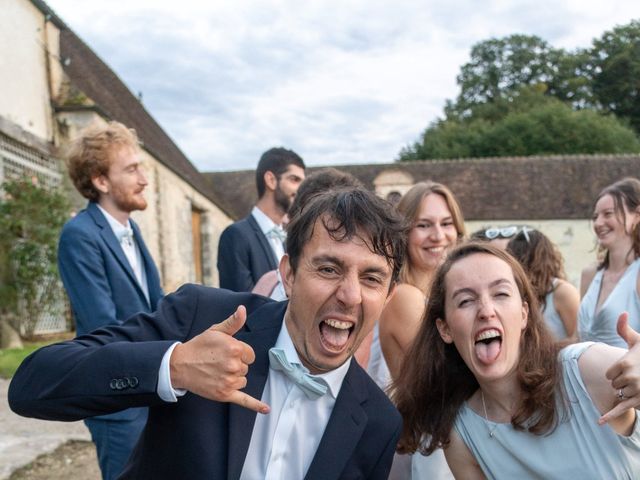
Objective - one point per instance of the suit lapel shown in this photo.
(264, 243)
(261, 332)
(148, 265)
(344, 430)
(112, 242)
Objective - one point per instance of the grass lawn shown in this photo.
(10, 359)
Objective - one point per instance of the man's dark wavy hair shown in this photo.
(351, 213)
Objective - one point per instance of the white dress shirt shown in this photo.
(131, 250)
(266, 224)
(284, 442)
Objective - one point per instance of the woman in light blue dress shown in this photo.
(543, 264)
(614, 284)
(486, 381)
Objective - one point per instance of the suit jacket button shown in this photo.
(133, 382)
(113, 384)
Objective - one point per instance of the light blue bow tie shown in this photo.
(277, 233)
(126, 236)
(312, 386)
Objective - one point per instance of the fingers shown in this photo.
(247, 356)
(247, 401)
(626, 332)
(618, 410)
(615, 371)
(233, 323)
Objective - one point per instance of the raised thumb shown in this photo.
(233, 323)
(626, 332)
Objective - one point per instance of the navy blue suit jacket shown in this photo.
(244, 255)
(195, 437)
(98, 278)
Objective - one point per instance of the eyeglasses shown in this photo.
(507, 232)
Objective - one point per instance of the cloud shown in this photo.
(339, 81)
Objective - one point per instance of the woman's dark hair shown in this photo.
(351, 213)
(434, 381)
(540, 258)
(625, 193)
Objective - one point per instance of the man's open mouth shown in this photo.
(335, 333)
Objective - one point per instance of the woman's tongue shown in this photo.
(487, 352)
(334, 337)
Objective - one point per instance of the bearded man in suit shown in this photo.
(104, 263)
(253, 246)
(209, 359)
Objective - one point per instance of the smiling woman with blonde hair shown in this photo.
(436, 225)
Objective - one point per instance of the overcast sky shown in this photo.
(338, 81)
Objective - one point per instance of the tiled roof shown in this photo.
(88, 73)
(506, 188)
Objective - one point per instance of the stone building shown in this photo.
(554, 194)
(51, 86)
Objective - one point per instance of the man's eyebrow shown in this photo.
(326, 258)
(340, 263)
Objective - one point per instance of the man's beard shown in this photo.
(282, 200)
(128, 202)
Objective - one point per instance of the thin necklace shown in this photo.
(486, 417)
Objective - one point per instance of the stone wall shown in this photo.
(25, 53)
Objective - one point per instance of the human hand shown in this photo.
(214, 364)
(625, 373)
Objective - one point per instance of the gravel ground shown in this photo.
(22, 440)
(75, 460)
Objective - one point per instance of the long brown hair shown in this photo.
(409, 208)
(540, 258)
(434, 381)
(625, 193)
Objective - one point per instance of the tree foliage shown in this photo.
(531, 123)
(31, 218)
(614, 68)
(517, 94)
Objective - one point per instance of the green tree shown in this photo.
(529, 123)
(517, 94)
(614, 72)
(31, 218)
(500, 67)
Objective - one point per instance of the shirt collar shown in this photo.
(334, 378)
(115, 225)
(264, 222)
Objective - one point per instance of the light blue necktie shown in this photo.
(312, 386)
(277, 233)
(126, 236)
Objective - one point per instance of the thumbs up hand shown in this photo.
(214, 364)
(625, 373)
